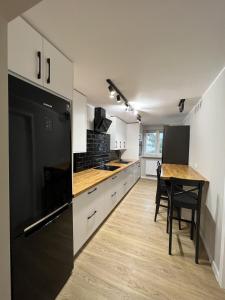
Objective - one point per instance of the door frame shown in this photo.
(221, 276)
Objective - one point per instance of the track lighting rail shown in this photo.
(113, 89)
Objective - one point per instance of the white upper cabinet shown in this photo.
(58, 71)
(79, 117)
(25, 53)
(123, 135)
(132, 144)
(117, 134)
(34, 58)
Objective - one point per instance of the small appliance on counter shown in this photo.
(40, 192)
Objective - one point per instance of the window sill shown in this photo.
(152, 156)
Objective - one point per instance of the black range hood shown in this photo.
(101, 123)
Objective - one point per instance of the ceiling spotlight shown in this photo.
(118, 99)
(111, 91)
(139, 119)
(126, 105)
(181, 105)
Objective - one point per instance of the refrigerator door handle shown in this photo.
(44, 223)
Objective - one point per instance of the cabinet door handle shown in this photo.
(125, 183)
(124, 144)
(39, 64)
(114, 194)
(120, 144)
(114, 177)
(116, 144)
(95, 189)
(92, 215)
(49, 70)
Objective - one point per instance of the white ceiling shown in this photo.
(12, 8)
(156, 51)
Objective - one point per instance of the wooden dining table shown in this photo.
(180, 171)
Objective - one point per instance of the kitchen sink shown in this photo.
(107, 168)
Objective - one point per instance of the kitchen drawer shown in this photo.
(89, 210)
(117, 186)
(115, 192)
(114, 199)
(87, 216)
(125, 182)
(131, 175)
(126, 185)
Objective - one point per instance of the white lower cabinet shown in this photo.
(113, 195)
(88, 213)
(137, 171)
(93, 206)
(125, 182)
(116, 188)
(132, 175)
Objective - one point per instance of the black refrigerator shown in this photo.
(176, 145)
(40, 192)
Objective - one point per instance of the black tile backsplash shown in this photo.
(98, 152)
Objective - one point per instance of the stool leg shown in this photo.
(157, 206)
(192, 223)
(171, 228)
(179, 216)
(197, 236)
(167, 219)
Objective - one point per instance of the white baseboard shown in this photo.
(216, 272)
(149, 177)
(206, 247)
(213, 264)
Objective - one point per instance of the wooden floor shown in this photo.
(128, 258)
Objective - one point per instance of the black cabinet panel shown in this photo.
(176, 145)
(42, 259)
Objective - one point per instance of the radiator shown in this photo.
(150, 167)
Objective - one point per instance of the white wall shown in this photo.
(152, 127)
(4, 160)
(133, 131)
(207, 155)
(8, 10)
(90, 116)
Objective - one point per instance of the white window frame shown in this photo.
(157, 154)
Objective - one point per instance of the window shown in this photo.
(153, 142)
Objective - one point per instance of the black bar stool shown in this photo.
(190, 198)
(162, 194)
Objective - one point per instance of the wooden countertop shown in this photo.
(180, 171)
(86, 179)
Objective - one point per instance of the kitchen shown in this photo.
(99, 154)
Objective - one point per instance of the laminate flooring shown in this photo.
(128, 258)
